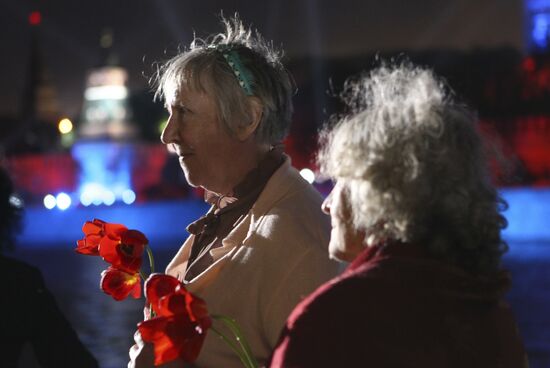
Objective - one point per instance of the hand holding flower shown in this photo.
(182, 320)
(176, 321)
(142, 355)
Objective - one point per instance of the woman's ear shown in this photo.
(256, 113)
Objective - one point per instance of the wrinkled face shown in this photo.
(346, 242)
(204, 146)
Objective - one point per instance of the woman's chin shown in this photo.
(340, 255)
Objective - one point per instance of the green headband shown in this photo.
(243, 75)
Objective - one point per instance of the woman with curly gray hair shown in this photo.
(413, 208)
(263, 244)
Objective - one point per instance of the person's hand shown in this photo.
(142, 355)
(147, 312)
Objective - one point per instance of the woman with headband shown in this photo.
(263, 244)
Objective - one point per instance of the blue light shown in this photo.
(105, 171)
(537, 5)
(128, 196)
(108, 198)
(90, 193)
(528, 213)
(16, 201)
(49, 201)
(540, 30)
(86, 199)
(63, 201)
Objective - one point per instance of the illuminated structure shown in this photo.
(105, 113)
(537, 25)
(104, 149)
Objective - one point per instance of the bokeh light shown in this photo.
(308, 175)
(65, 126)
(63, 201)
(49, 201)
(35, 18)
(128, 196)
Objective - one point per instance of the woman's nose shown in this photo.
(169, 134)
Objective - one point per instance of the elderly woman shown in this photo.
(414, 210)
(263, 244)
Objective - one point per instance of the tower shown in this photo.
(106, 113)
(39, 109)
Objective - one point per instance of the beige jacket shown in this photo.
(268, 263)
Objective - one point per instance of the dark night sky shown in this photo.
(144, 29)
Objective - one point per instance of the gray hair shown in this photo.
(415, 167)
(204, 68)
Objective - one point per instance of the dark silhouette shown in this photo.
(29, 313)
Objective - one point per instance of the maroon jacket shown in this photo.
(395, 307)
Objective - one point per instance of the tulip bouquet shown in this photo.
(123, 249)
(178, 320)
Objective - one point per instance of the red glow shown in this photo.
(531, 145)
(529, 64)
(35, 18)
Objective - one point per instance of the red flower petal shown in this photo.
(196, 307)
(183, 302)
(182, 320)
(120, 284)
(126, 255)
(94, 231)
(108, 250)
(114, 230)
(157, 286)
(136, 291)
(88, 245)
(134, 237)
(173, 337)
(93, 227)
(153, 331)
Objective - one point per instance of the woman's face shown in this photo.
(346, 242)
(205, 148)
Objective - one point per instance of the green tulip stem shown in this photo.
(142, 275)
(151, 259)
(239, 336)
(233, 347)
(151, 271)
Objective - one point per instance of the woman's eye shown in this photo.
(183, 109)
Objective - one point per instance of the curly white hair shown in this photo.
(415, 167)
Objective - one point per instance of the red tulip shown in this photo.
(181, 324)
(123, 249)
(157, 286)
(119, 284)
(94, 231)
